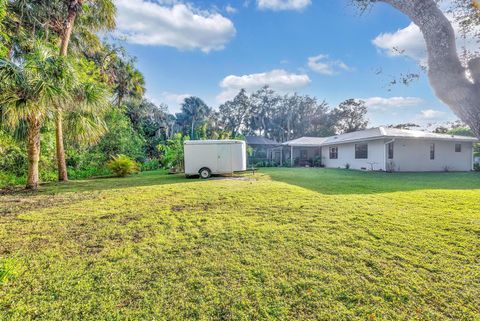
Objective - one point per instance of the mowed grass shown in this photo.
(283, 244)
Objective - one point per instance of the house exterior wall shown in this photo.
(346, 155)
(413, 155)
(410, 155)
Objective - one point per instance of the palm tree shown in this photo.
(100, 16)
(29, 89)
(194, 110)
(85, 121)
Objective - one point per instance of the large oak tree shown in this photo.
(455, 83)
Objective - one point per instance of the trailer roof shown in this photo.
(213, 142)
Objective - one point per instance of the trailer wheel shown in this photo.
(205, 173)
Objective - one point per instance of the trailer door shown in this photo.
(224, 162)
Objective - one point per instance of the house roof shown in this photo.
(375, 133)
(307, 141)
(259, 140)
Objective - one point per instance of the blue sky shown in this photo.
(323, 48)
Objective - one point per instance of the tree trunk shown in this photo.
(447, 76)
(33, 151)
(61, 163)
(73, 8)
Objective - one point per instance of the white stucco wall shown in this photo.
(410, 155)
(346, 154)
(414, 155)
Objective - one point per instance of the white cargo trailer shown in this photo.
(207, 157)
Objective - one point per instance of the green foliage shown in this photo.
(476, 167)
(283, 244)
(3, 34)
(173, 152)
(13, 157)
(122, 166)
(461, 131)
(121, 139)
(151, 165)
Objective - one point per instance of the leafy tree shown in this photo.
(234, 113)
(121, 139)
(173, 155)
(454, 83)
(350, 115)
(194, 112)
(405, 126)
(149, 120)
(264, 103)
(30, 87)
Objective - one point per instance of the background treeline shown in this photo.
(70, 102)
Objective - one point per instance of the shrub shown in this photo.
(347, 166)
(151, 165)
(122, 166)
(476, 167)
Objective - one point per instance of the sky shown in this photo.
(323, 48)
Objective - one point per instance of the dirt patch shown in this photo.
(14, 204)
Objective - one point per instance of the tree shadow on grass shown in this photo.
(144, 179)
(339, 181)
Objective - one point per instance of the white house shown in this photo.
(386, 149)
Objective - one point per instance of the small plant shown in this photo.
(447, 169)
(347, 166)
(476, 167)
(122, 166)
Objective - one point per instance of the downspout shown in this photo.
(385, 152)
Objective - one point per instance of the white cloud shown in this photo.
(431, 114)
(389, 104)
(409, 41)
(278, 5)
(168, 23)
(172, 100)
(230, 9)
(323, 65)
(277, 79)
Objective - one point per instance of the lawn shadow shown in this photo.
(143, 179)
(340, 181)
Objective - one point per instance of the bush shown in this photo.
(347, 166)
(476, 167)
(151, 165)
(122, 166)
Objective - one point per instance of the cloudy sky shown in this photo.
(323, 48)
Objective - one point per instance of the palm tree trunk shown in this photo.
(61, 163)
(33, 151)
(73, 7)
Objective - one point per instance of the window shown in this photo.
(458, 148)
(333, 152)
(390, 150)
(432, 151)
(361, 151)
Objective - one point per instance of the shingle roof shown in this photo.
(375, 133)
(259, 140)
(306, 141)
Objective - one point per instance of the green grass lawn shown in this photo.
(284, 244)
